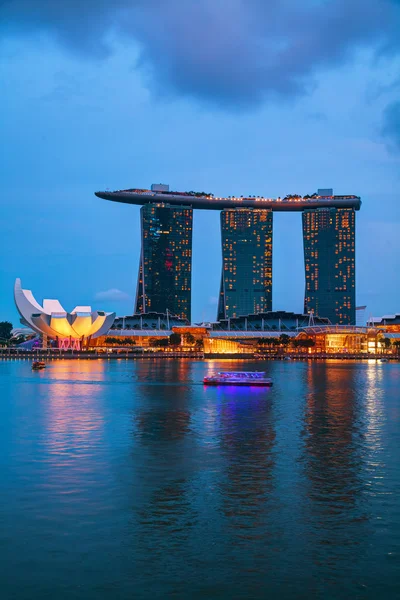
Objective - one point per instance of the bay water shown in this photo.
(131, 479)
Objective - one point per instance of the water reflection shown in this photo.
(141, 482)
(247, 441)
(72, 434)
(333, 430)
(162, 421)
(374, 405)
(163, 413)
(73, 416)
(156, 371)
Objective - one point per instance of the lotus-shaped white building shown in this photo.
(69, 329)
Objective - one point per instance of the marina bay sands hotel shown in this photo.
(165, 269)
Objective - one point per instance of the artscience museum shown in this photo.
(69, 329)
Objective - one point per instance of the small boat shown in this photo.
(247, 378)
(37, 365)
(383, 360)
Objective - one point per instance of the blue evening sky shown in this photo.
(168, 97)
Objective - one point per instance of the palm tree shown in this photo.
(199, 344)
(189, 339)
(174, 339)
(5, 330)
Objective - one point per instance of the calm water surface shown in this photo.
(126, 479)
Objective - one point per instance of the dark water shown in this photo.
(131, 480)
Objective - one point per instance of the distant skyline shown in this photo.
(232, 98)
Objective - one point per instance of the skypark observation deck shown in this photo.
(210, 202)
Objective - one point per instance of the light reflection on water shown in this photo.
(132, 479)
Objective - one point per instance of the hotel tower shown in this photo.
(165, 268)
(329, 257)
(246, 280)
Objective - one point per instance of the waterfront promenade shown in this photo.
(50, 355)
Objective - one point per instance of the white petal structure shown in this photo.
(52, 319)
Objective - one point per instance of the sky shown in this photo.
(233, 97)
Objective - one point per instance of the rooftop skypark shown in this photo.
(201, 200)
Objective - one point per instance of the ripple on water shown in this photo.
(130, 478)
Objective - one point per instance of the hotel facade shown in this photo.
(246, 279)
(165, 268)
(329, 259)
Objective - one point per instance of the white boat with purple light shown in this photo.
(247, 378)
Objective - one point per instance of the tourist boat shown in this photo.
(38, 364)
(248, 378)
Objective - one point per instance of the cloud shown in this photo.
(391, 124)
(113, 295)
(232, 52)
